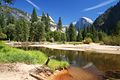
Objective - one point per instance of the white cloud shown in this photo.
(34, 5)
(99, 5)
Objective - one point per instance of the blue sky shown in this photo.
(69, 10)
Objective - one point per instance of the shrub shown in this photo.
(87, 41)
(112, 40)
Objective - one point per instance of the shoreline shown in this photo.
(93, 47)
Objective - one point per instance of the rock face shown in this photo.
(14, 12)
(83, 22)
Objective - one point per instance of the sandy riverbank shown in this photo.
(93, 47)
(15, 71)
(84, 47)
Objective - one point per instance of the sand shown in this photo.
(16, 71)
(84, 47)
(93, 47)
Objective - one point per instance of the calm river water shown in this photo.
(104, 62)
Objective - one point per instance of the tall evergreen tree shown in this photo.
(47, 24)
(40, 31)
(21, 30)
(10, 20)
(57, 36)
(118, 28)
(63, 37)
(34, 16)
(84, 32)
(34, 19)
(32, 31)
(59, 25)
(10, 31)
(72, 32)
(2, 21)
(79, 36)
(43, 18)
(26, 29)
(67, 34)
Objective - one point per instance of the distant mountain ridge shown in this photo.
(18, 14)
(14, 12)
(83, 22)
(108, 20)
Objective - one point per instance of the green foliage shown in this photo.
(10, 20)
(21, 30)
(2, 21)
(87, 41)
(57, 36)
(10, 31)
(67, 34)
(13, 55)
(40, 31)
(47, 24)
(43, 17)
(72, 32)
(79, 36)
(84, 32)
(59, 25)
(34, 16)
(2, 36)
(112, 40)
(118, 28)
(63, 37)
(89, 35)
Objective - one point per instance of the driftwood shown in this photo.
(41, 73)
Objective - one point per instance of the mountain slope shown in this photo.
(109, 20)
(14, 12)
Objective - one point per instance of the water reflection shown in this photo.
(104, 62)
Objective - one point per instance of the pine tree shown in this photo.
(2, 21)
(57, 36)
(63, 37)
(43, 19)
(10, 31)
(32, 31)
(47, 24)
(67, 34)
(84, 33)
(79, 37)
(34, 19)
(72, 32)
(59, 25)
(10, 20)
(118, 28)
(21, 30)
(26, 28)
(34, 16)
(40, 31)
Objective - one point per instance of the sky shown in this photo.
(68, 10)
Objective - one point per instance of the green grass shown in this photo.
(13, 55)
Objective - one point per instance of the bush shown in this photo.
(112, 40)
(87, 41)
(3, 36)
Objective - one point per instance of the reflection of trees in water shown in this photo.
(101, 61)
(104, 61)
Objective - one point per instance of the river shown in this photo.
(104, 62)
